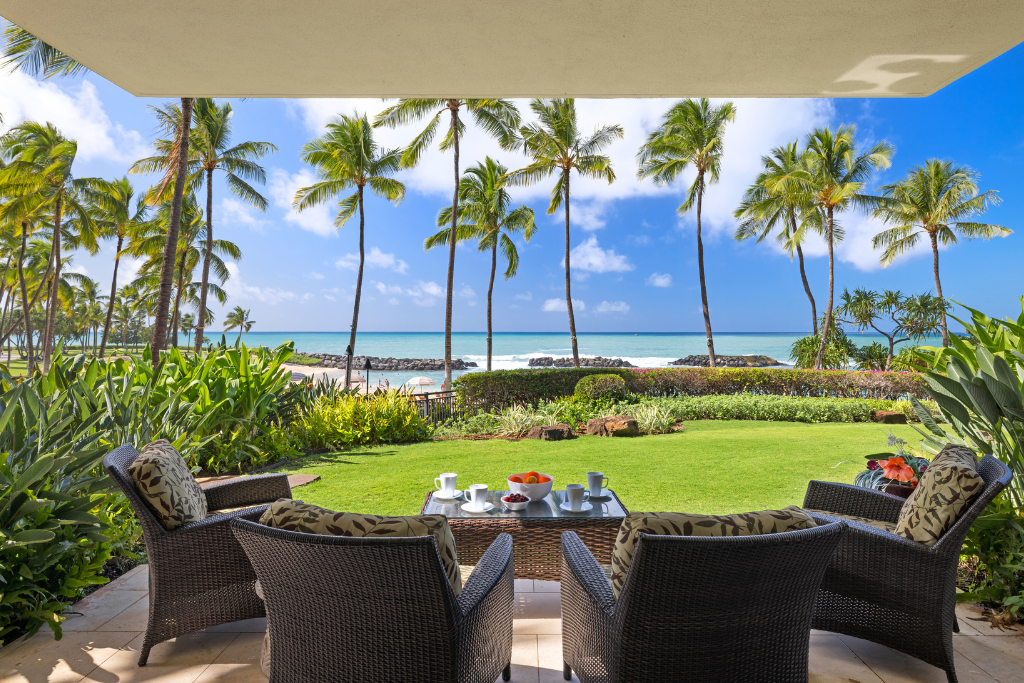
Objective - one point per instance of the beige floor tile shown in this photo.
(524, 659)
(969, 613)
(181, 660)
(136, 579)
(524, 586)
(538, 606)
(895, 667)
(547, 586)
(549, 659)
(238, 663)
(101, 607)
(69, 659)
(537, 626)
(1001, 658)
(134, 618)
(832, 662)
(258, 625)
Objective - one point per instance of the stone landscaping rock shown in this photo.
(701, 361)
(888, 417)
(616, 425)
(596, 362)
(390, 364)
(550, 432)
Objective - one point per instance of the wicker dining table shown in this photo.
(536, 531)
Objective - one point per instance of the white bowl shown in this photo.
(515, 507)
(531, 491)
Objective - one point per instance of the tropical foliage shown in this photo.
(892, 314)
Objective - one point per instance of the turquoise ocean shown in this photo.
(515, 349)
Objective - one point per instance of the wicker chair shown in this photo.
(379, 609)
(696, 608)
(198, 574)
(886, 588)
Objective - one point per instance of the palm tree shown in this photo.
(498, 117)
(238, 317)
(115, 216)
(833, 172)
(690, 133)
(188, 323)
(770, 204)
(485, 216)
(89, 311)
(938, 199)
(25, 51)
(555, 143)
(347, 156)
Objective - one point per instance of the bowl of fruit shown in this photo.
(533, 485)
(515, 501)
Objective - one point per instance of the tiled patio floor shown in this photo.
(102, 644)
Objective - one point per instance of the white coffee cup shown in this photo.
(446, 484)
(596, 482)
(575, 495)
(478, 496)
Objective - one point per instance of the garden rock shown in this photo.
(550, 432)
(616, 425)
(888, 417)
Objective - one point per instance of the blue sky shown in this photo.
(635, 258)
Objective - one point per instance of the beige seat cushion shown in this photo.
(294, 515)
(791, 518)
(166, 484)
(877, 523)
(945, 490)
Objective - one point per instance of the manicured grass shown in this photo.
(715, 466)
(299, 359)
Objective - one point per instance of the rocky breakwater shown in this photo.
(390, 364)
(728, 361)
(596, 362)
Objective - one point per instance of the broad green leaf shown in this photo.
(33, 536)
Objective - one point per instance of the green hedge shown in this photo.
(776, 408)
(599, 386)
(502, 388)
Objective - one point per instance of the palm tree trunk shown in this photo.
(51, 316)
(490, 289)
(938, 285)
(163, 302)
(177, 300)
(206, 258)
(451, 257)
(568, 271)
(803, 277)
(25, 307)
(355, 307)
(831, 287)
(700, 270)
(113, 294)
(7, 302)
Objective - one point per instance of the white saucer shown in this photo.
(605, 494)
(468, 507)
(585, 507)
(440, 496)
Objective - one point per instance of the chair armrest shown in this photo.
(222, 518)
(853, 500)
(263, 488)
(494, 567)
(586, 573)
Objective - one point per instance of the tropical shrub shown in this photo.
(594, 387)
(337, 421)
(650, 417)
(516, 421)
(770, 408)
(996, 539)
(481, 422)
(804, 351)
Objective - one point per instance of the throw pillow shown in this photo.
(166, 484)
(294, 515)
(791, 518)
(945, 490)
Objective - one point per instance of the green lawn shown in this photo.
(713, 467)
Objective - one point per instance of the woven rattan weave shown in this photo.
(344, 609)
(198, 574)
(696, 608)
(886, 588)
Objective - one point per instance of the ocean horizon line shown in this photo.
(578, 334)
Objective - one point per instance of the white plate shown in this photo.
(468, 507)
(440, 496)
(604, 495)
(585, 507)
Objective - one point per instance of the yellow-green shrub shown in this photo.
(335, 421)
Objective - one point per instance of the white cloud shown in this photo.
(587, 216)
(75, 109)
(660, 280)
(528, 296)
(467, 292)
(590, 257)
(234, 211)
(375, 259)
(80, 269)
(282, 187)
(313, 275)
(307, 296)
(612, 307)
(393, 301)
(238, 290)
(425, 293)
(386, 289)
(556, 305)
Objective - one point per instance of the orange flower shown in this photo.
(895, 468)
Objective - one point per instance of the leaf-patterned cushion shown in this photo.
(294, 515)
(945, 490)
(682, 524)
(877, 523)
(166, 484)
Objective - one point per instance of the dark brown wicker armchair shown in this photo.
(886, 588)
(696, 608)
(198, 574)
(379, 609)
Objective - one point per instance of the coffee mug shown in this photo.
(596, 482)
(575, 495)
(446, 484)
(478, 495)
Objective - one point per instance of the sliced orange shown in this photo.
(544, 480)
(516, 478)
(531, 480)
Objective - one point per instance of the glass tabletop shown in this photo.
(547, 507)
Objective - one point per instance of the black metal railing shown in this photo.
(436, 406)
